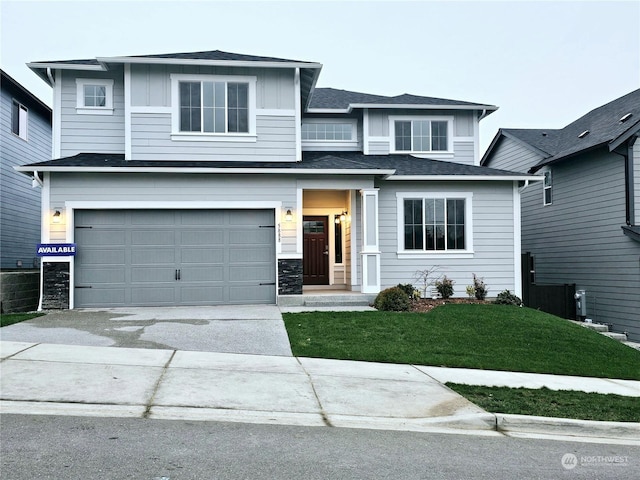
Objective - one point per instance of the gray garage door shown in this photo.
(174, 257)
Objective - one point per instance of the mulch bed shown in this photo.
(428, 304)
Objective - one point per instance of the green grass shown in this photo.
(11, 318)
(550, 403)
(491, 337)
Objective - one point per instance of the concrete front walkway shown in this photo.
(169, 384)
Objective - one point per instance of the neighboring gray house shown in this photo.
(582, 224)
(25, 137)
(212, 177)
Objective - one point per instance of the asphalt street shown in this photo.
(50, 447)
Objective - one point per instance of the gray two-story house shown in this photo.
(25, 137)
(218, 178)
(581, 225)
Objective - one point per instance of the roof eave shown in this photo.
(403, 106)
(214, 63)
(475, 178)
(624, 136)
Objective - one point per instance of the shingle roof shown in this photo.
(403, 165)
(218, 55)
(331, 98)
(603, 126)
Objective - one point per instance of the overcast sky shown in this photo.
(543, 63)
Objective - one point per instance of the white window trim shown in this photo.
(81, 109)
(435, 254)
(23, 120)
(348, 121)
(176, 134)
(546, 187)
(392, 133)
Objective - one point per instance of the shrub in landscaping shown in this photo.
(445, 287)
(507, 298)
(392, 299)
(410, 290)
(471, 292)
(480, 289)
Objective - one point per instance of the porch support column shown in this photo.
(370, 250)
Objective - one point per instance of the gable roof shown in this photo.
(330, 99)
(23, 95)
(391, 167)
(608, 125)
(309, 71)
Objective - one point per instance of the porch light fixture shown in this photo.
(337, 219)
(343, 217)
(288, 216)
(56, 216)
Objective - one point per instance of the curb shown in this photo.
(507, 423)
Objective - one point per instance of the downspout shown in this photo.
(629, 193)
(483, 114)
(523, 187)
(50, 77)
(37, 181)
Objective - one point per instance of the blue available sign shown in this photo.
(56, 249)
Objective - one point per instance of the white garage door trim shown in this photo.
(71, 206)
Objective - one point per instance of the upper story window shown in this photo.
(19, 120)
(430, 223)
(94, 96)
(547, 188)
(210, 106)
(327, 131)
(421, 135)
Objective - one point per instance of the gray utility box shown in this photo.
(581, 304)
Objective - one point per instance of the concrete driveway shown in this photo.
(249, 329)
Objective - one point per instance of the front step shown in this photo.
(621, 337)
(326, 300)
(604, 330)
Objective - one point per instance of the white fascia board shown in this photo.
(66, 66)
(281, 171)
(392, 106)
(329, 110)
(216, 63)
(493, 178)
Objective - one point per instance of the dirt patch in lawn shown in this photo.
(428, 304)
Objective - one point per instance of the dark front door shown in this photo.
(315, 253)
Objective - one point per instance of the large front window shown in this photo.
(434, 223)
(214, 107)
(421, 135)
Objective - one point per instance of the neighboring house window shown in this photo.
(547, 188)
(94, 96)
(19, 120)
(327, 131)
(434, 223)
(421, 134)
(212, 105)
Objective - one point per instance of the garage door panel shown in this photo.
(200, 256)
(201, 237)
(131, 257)
(153, 256)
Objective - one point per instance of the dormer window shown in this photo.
(211, 106)
(421, 135)
(94, 96)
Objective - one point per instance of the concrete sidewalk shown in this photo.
(171, 384)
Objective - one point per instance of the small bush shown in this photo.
(507, 298)
(392, 299)
(471, 292)
(445, 287)
(410, 290)
(480, 289)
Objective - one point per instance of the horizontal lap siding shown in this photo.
(578, 239)
(151, 140)
(510, 155)
(20, 203)
(91, 133)
(492, 237)
(167, 188)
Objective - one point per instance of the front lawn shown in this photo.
(550, 403)
(11, 318)
(491, 337)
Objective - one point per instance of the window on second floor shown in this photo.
(547, 188)
(421, 135)
(212, 106)
(327, 131)
(94, 96)
(19, 119)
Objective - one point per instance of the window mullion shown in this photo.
(424, 224)
(226, 107)
(446, 225)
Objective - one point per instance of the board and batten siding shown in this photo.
(151, 140)
(90, 133)
(149, 187)
(493, 237)
(151, 84)
(19, 201)
(578, 238)
(380, 142)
